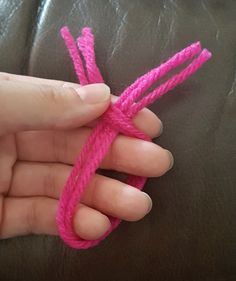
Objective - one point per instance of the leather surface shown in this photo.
(191, 232)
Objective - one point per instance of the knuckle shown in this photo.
(49, 183)
(1, 214)
(60, 146)
(31, 218)
(52, 95)
(115, 159)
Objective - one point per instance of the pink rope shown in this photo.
(86, 46)
(117, 119)
(75, 56)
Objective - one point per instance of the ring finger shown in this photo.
(109, 196)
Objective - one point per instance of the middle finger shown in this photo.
(126, 154)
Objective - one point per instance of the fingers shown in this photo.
(32, 106)
(126, 154)
(22, 216)
(145, 120)
(104, 194)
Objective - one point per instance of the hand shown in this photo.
(43, 126)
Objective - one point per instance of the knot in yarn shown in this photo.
(117, 119)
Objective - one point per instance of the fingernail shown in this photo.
(94, 93)
(161, 129)
(149, 202)
(171, 160)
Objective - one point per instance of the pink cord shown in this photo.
(117, 119)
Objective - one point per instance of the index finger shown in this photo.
(145, 120)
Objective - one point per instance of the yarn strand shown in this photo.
(74, 54)
(172, 82)
(85, 44)
(130, 95)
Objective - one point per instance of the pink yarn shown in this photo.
(117, 119)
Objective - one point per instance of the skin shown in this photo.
(43, 126)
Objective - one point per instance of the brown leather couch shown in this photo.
(191, 232)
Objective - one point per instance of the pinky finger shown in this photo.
(37, 215)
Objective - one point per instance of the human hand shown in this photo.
(43, 126)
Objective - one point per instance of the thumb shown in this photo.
(26, 106)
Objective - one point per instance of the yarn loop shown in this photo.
(117, 119)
